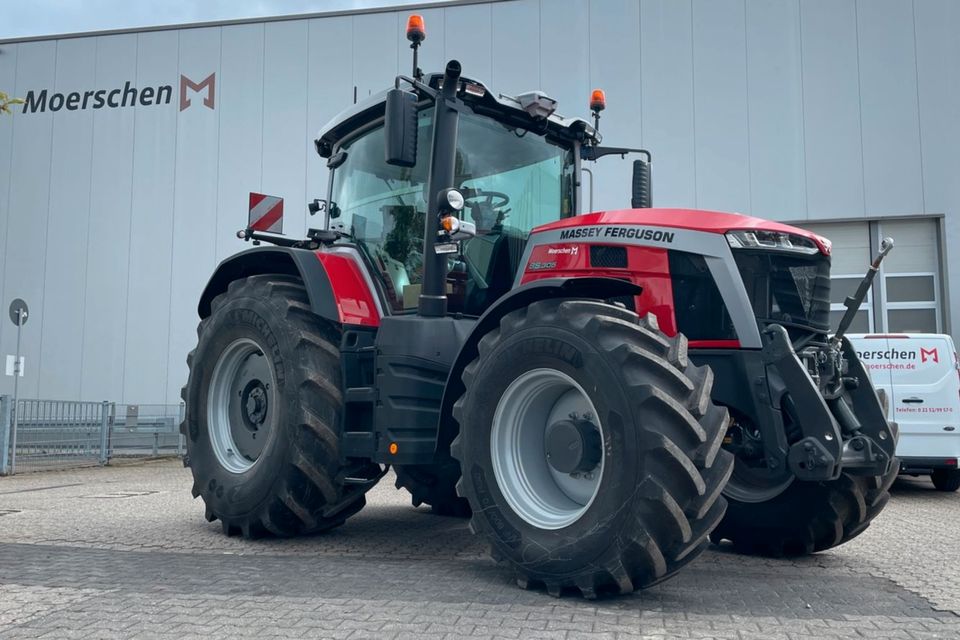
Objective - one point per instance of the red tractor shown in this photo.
(603, 392)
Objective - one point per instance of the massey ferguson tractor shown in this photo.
(605, 393)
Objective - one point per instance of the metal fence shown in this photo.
(51, 434)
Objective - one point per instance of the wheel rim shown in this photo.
(749, 484)
(240, 405)
(536, 491)
(753, 480)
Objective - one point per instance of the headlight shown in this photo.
(450, 200)
(757, 239)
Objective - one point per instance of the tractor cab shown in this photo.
(515, 164)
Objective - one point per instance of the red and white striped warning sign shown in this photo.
(266, 213)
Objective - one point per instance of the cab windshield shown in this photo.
(512, 181)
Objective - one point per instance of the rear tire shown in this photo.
(434, 485)
(946, 479)
(286, 483)
(645, 509)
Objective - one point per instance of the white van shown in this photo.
(920, 375)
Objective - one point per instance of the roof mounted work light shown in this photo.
(598, 100)
(416, 31)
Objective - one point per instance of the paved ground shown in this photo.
(124, 552)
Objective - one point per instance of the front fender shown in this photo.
(522, 296)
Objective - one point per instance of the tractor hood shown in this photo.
(690, 219)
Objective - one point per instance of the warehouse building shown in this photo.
(127, 172)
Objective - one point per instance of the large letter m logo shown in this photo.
(209, 83)
(929, 353)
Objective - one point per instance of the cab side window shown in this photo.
(382, 208)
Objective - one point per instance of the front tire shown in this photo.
(263, 407)
(647, 470)
(806, 517)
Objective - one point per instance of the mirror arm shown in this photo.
(595, 153)
(417, 85)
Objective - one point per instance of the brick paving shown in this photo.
(124, 552)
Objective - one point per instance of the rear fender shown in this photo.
(522, 296)
(342, 297)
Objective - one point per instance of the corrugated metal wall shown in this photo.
(111, 220)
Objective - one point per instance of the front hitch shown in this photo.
(816, 456)
(846, 431)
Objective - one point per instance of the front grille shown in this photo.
(607, 257)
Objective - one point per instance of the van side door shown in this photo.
(926, 395)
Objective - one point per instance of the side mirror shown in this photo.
(400, 128)
(641, 197)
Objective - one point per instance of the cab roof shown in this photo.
(505, 109)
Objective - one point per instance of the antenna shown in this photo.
(416, 34)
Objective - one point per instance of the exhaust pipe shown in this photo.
(642, 195)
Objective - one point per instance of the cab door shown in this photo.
(926, 395)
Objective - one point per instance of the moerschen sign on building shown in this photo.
(127, 96)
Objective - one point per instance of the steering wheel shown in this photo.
(491, 199)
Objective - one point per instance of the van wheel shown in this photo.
(946, 479)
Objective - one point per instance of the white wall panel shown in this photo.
(147, 335)
(375, 57)
(68, 221)
(240, 110)
(108, 241)
(831, 106)
(329, 90)
(775, 107)
(938, 52)
(937, 23)
(516, 52)
(194, 201)
(8, 79)
(666, 59)
(467, 37)
(286, 129)
(615, 68)
(24, 256)
(565, 54)
(720, 106)
(888, 108)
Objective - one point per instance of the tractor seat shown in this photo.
(495, 255)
